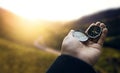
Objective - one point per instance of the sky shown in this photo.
(57, 10)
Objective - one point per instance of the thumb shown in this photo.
(70, 34)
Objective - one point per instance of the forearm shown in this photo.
(69, 64)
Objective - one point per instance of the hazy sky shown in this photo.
(57, 9)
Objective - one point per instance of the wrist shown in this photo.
(80, 57)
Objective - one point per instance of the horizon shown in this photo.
(57, 10)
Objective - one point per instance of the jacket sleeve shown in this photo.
(69, 64)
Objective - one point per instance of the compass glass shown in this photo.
(94, 31)
(80, 36)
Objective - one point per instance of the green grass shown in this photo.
(16, 58)
(109, 61)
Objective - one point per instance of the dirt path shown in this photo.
(44, 48)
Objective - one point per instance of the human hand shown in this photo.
(88, 51)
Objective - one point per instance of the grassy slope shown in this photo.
(15, 58)
(109, 61)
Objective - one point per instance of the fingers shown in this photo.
(99, 40)
(71, 33)
(94, 24)
(98, 23)
(68, 37)
(89, 27)
(103, 36)
(102, 25)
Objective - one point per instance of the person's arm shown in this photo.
(79, 57)
(69, 64)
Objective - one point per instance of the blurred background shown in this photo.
(32, 31)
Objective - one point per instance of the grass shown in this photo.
(16, 58)
(109, 61)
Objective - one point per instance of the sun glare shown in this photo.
(56, 9)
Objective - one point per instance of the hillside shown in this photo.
(16, 58)
(13, 26)
(110, 17)
(109, 61)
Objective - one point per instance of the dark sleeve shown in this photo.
(69, 64)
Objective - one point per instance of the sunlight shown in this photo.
(56, 9)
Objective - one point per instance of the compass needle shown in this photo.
(94, 32)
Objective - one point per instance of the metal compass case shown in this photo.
(93, 32)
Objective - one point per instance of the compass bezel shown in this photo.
(100, 29)
(83, 37)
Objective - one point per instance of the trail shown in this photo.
(44, 48)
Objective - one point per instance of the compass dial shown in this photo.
(94, 32)
(80, 36)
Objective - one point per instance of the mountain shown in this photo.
(56, 31)
(110, 17)
(21, 30)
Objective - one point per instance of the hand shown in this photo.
(88, 51)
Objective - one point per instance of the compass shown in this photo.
(80, 36)
(93, 32)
